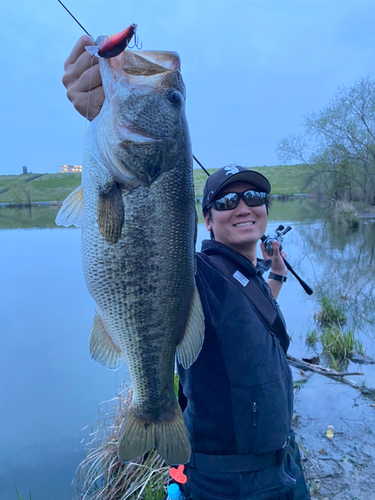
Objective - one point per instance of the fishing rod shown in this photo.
(87, 33)
(304, 285)
(267, 241)
(68, 11)
(202, 167)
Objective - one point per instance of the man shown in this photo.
(239, 390)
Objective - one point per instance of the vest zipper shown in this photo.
(255, 409)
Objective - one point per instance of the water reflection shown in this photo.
(51, 389)
(343, 266)
(17, 218)
(299, 210)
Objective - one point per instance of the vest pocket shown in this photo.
(262, 417)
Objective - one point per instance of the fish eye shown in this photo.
(174, 97)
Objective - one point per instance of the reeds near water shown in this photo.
(101, 476)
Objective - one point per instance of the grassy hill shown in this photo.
(284, 179)
(46, 187)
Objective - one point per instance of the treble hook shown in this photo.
(136, 42)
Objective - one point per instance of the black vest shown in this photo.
(240, 388)
(257, 293)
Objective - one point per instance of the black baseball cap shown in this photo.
(229, 174)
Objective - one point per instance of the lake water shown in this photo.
(50, 387)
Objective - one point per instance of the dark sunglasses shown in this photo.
(230, 201)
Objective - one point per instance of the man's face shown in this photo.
(242, 227)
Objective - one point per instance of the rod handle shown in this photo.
(304, 285)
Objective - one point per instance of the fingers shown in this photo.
(78, 50)
(278, 265)
(279, 252)
(82, 79)
(276, 251)
(88, 104)
(88, 80)
(83, 64)
(265, 254)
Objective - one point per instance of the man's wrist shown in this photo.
(277, 277)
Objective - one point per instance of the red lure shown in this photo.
(113, 45)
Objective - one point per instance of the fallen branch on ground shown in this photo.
(332, 374)
(304, 365)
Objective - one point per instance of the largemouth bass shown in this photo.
(137, 213)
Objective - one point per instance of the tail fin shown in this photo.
(168, 437)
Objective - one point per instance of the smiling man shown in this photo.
(240, 225)
(240, 388)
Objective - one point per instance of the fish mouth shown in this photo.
(149, 62)
(128, 135)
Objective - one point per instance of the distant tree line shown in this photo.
(338, 145)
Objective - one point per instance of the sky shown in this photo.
(252, 70)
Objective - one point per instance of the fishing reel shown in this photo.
(278, 236)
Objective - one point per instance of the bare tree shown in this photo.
(338, 144)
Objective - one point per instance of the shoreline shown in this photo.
(32, 204)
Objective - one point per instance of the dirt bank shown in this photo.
(343, 467)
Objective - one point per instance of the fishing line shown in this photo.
(88, 100)
(88, 94)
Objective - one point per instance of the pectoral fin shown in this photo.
(111, 212)
(190, 346)
(71, 211)
(102, 348)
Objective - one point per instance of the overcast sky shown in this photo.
(252, 69)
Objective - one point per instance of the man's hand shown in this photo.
(83, 81)
(278, 266)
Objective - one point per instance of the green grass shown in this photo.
(284, 179)
(338, 343)
(297, 385)
(176, 384)
(19, 497)
(312, 338)
(49, 187)
(11, 181)
(101, 476)
(156, 492)
(331, 312)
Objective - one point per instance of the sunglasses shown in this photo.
(230, 201)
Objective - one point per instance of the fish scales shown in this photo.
(138, 226)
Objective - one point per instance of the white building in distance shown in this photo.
(70, 168)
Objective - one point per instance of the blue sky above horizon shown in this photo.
(252, 69)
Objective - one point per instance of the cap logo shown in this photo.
(231, 169)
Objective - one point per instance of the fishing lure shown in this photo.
(113, 45)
